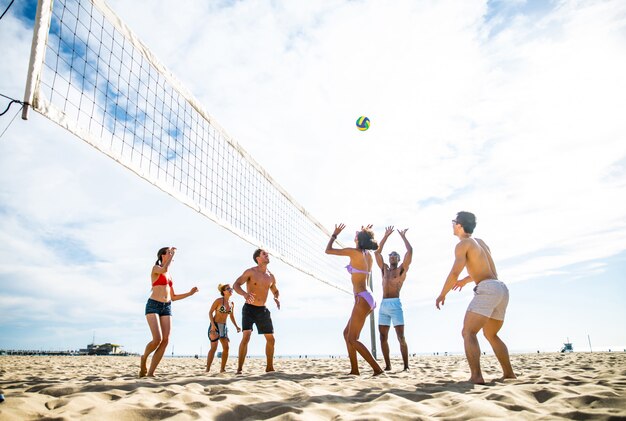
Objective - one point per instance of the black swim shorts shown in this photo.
(256, 315)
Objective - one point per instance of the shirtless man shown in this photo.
(259, 281)
(390, 311)
(486, 311)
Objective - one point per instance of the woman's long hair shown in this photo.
(160, 254)
(365, 240)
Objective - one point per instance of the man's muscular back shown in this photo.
(479, 264)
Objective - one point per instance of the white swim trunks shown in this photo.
(491, 297)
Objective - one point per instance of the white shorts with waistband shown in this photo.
(491, 297)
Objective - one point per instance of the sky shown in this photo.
(511, 110)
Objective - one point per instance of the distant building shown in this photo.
(104, 349)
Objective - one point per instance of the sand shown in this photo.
(550, 386)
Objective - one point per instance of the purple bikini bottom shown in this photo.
(367, 297)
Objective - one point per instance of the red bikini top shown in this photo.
(162, 280)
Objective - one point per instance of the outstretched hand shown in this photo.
(338, 228)
(402, 232)
(388, 230)
(367, 227)
(440, 300)
(193, 290)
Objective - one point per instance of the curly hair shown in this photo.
(365, 239)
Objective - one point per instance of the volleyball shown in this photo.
(362, 123)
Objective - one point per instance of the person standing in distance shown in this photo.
(390, 311)
(259, 281)
(491, 296)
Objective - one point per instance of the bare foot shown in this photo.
(269, 369)
(222, 371)
(238, 371)
(406, 369)
(477, 380)
(354, 373)
(387, 368)
(142, 367)
(378, 373)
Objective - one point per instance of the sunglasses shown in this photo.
(454, 221)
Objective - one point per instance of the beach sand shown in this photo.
(550, 386)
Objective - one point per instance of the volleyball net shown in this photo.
(92, 75)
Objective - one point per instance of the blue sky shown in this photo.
(512, 110)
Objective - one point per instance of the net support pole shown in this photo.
(372, 319)
(37, 53)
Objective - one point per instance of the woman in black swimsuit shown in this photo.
(218, 316)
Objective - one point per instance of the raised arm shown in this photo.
(333, 237)
(460, 259)
(167, 259)
(408, 256)
(381, 244)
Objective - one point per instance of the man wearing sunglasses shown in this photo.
(491, 296)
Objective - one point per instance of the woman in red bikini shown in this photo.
(159, 310)
(360, 269)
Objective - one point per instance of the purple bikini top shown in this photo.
(352, 270)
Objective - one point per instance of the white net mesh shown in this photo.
(95, 78)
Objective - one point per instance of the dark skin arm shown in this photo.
(379, 251)
(408, 257)
(333, 237)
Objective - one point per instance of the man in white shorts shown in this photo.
(390, 311)
(486, 311)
